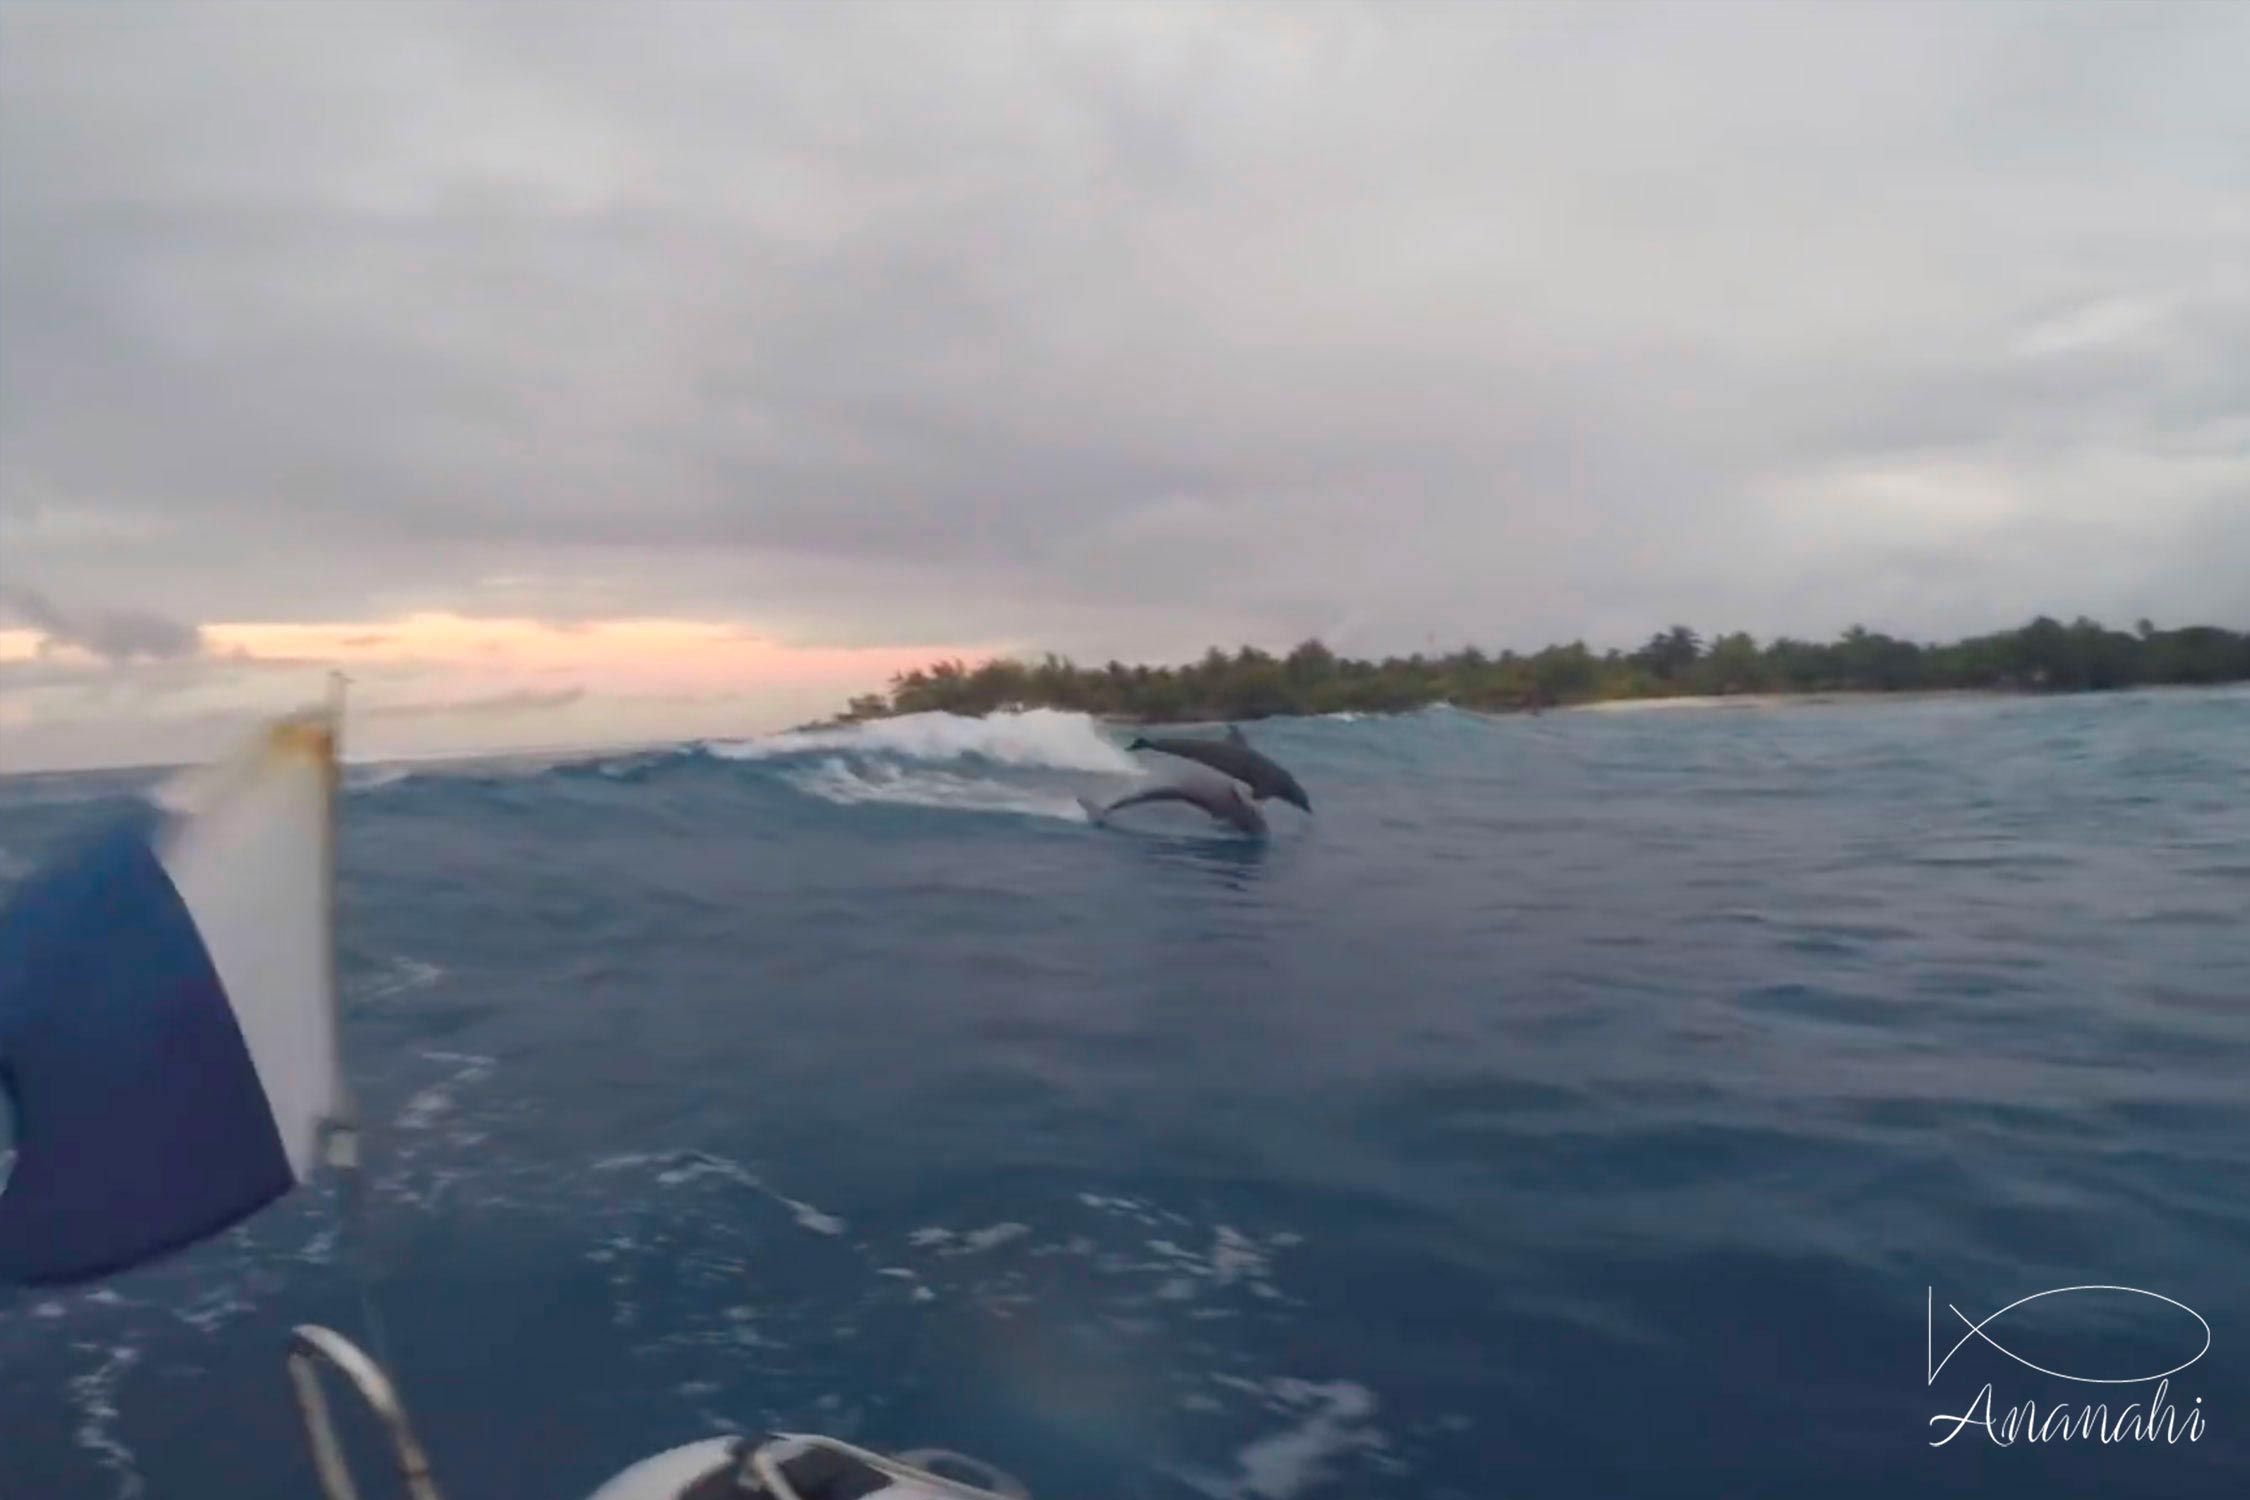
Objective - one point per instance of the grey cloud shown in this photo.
(1122, 329)
(111, 634)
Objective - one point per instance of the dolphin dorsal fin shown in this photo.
(1234, 735)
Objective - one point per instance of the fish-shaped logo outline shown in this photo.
(1977, 1331)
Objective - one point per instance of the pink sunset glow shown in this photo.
(441, 683)
(624, 655)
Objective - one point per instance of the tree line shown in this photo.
(2043, 656)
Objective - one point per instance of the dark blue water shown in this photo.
(1581, 1105)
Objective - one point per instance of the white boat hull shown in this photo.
(794, 1466)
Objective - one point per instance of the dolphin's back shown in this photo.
(1233, 756)
(1230, 757)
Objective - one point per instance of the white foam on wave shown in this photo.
(94, 1396)
(845, 784)
(398, 975)
(972, 1242)
(1236, 1272)
(809, 1218)
(626, 767)
(1039, 738)
(1234, 1258)
(434, 1103)
(1331, 1423)
(678, 1168)
(213, 1310)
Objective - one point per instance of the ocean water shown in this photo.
(1591, 1104)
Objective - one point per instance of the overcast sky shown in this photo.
(601, 371)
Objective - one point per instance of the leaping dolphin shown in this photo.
(1223, 800)
(1233, 757)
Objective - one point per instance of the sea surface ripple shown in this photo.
(1590, 1103)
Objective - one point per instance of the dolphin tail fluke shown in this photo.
(1094, 810)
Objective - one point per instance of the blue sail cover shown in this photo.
(167, 1017)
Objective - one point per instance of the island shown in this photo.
(2045, 656)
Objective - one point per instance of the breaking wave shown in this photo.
(1033, 763)
(1017, 763)
(838, 781)
(370, 778)
(1008, 763)
(1041, 738)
